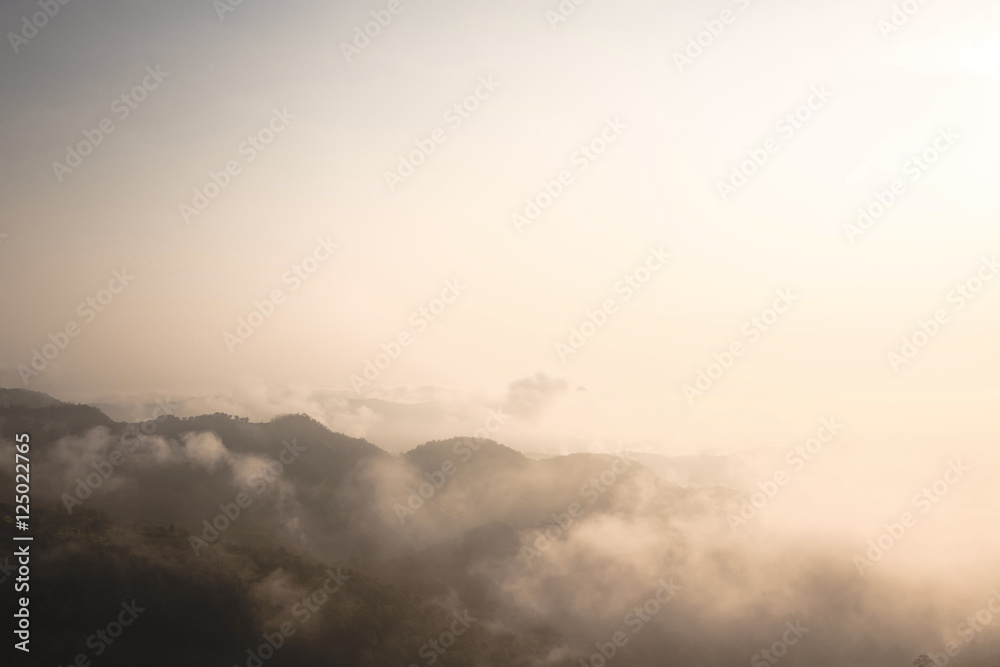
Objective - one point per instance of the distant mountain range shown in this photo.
(128, 511)
(283, 543)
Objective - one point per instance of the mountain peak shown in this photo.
(26, 398)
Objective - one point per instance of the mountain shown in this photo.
(25, 398)
(283, 543)
(125, 511)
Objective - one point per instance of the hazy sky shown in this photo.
(675, 130)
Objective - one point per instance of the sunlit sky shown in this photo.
(681, 132)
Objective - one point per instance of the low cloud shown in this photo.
(528, 397)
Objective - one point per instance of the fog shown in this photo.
(871, 560)
(552, 333)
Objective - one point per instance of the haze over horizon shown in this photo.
(337, 122)
(540, 333)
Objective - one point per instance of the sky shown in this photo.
(730, 145)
